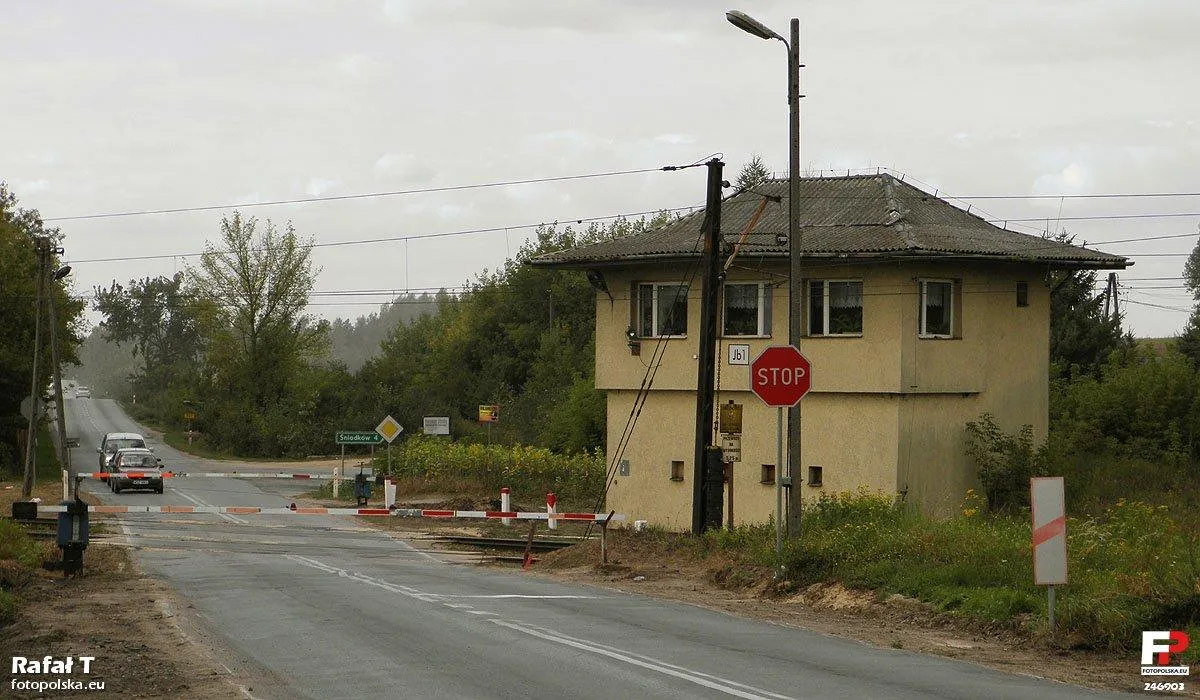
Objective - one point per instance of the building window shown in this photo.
(814, 476)
(937, 308)
(676, 470)
(835, 307)
(747, 309)
(662, 310)
(768, 474)
(1022, 294)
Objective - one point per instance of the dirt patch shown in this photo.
(127, 622)
(675, 568)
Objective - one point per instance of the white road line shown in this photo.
(724, 685)
(521, 595)
(708, 681)
(226, 516)
(653, 660)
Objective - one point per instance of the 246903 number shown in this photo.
(1164, 686)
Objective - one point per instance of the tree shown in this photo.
(1189, 340)
(753, 173)
(158, 318)
(19, 228)
(251, 294)
(1081, 336)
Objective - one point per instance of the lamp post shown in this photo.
(748, 24)
(60, 413)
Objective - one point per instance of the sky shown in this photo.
(121, 107)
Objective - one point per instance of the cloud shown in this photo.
(31, 187)
(675, 139)
(318, 186)
(355, 65)
(404, 167)
(1072, 178)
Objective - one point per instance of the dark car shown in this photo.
(135, 468)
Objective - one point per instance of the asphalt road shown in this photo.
(333, 610)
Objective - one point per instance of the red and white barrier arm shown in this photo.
(395, 512)
(193, 475)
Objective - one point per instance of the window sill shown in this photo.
(924, 336)
(677, 478)
(768, 483)
(816, 485)
(661, 337)
(834, 335)
(746, 337)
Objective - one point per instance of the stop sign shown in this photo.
(780, 375)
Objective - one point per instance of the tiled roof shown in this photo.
(872, 216)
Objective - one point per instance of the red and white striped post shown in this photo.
(551, 521)
(505, 504)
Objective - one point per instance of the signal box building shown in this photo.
(917, 317)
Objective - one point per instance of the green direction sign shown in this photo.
(358, 437)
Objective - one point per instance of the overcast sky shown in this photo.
(127, 106)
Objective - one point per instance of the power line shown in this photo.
(368, 195)
(1127, 195)
(391, 239)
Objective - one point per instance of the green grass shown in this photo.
(1133, 567)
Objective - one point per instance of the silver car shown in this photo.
(135, 468)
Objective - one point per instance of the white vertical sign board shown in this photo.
(1049, 530)
(436, 425)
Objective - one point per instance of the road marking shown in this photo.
(521, 595)
(723, 685)
(197, 501)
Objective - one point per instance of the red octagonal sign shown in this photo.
(780, 375)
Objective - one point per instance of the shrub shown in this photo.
(1006, 462)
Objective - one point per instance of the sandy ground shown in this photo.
(131, 624)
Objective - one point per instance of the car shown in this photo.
(111, 442)
(135, 468)
(82, 392)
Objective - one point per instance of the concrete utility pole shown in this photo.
(707, 487)
(64, 452)
(35, 391)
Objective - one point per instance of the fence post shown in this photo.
(551, 521)
(505, 504)
(66, 479)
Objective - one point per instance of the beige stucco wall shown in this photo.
(887, 410)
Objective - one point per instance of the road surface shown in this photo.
(330, 609)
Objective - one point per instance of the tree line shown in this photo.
(230, 342)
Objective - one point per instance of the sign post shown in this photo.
(1049, 512)
(780, 376)
(351, 437)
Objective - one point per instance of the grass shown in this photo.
(1132, 567)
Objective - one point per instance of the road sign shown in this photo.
(739, 354)
(357, 437)
(780, 376)
(1049, 531)
(489, 414)
(436, 425)
(389, 428)
(189, 415)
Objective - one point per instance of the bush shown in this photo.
(1132, 568)
(1006, 462)
(17, 545)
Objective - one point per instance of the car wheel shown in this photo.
(158, 490)
(116, 489)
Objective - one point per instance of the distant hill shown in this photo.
(355, 342)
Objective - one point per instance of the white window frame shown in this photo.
(654, 319)
(825, 309)
(924, 289)
(764, 327)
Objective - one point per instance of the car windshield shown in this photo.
(138, 461)
(122, 443)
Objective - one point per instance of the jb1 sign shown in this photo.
(780, 376)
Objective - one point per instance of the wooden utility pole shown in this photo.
(707, 487)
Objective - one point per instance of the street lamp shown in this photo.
(748, 24)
